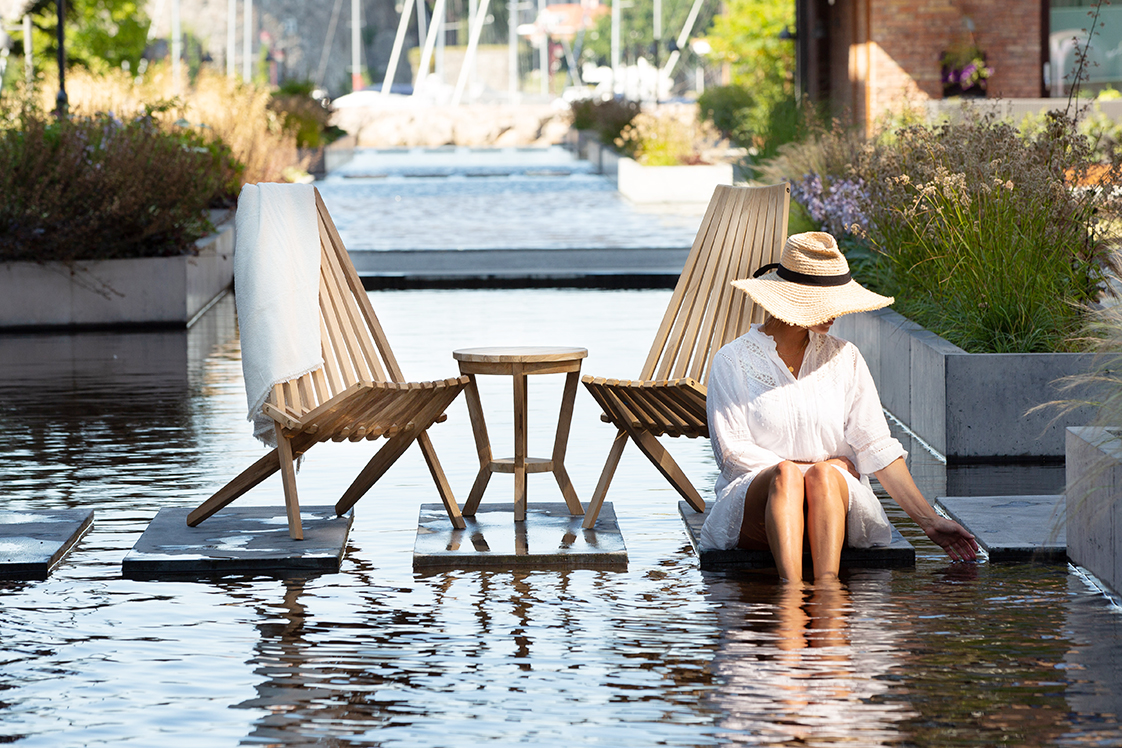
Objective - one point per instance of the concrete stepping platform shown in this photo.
(32, 543)
(897, 554)
(1012, 528)
(239, 540)
(549, 538)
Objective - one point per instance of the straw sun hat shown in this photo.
(811, 283)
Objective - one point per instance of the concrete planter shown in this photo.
(1094, 502)
(604, 159)
(970, 407)
(577, 141)
(156, 291)
(670, 184)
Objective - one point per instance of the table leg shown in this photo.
(561, 441)
(482, 446)
(520, 439)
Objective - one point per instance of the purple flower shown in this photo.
(836, 207)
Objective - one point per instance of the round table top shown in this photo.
(519, 354)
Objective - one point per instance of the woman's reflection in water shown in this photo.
(797, 663)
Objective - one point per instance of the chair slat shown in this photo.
(761, 244)
(335, 345)
(354, 283)
(361, 348)
(638, 407)
(673, 411)
(696, 295)
(353, 364)
(723, 268)
(330, 369)
(680, 289)
(743, 228)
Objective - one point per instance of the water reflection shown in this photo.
(804, 663)
(86, 407)
(532, 658)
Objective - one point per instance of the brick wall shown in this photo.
(908, 38)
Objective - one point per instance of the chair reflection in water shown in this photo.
(358, 393)
(743, 229)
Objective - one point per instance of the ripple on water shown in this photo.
(661, 653)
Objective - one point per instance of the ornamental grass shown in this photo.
(994, 239)
(241, 115)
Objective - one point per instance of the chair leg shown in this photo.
(662, 460)
(442, 486)
(475, 496)
(606, 474)
(288, 480)
(394, 447)
(249, 478)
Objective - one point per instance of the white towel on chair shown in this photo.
(276, 286)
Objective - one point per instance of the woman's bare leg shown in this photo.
(827, 502)
(774, 517)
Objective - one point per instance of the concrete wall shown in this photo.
(967, 406)
(1094, 503)
(167, 291)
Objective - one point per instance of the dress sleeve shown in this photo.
(727, 405)
(866, 429)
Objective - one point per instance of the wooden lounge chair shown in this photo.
(359, 393)
(743, 229)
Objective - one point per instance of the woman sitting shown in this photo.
(797, 426)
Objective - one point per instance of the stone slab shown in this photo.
(32, 543)
(897, 554)
(549, 538)
(238, 540)
(544, 263)
(1012, 528)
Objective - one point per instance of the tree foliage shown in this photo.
(746, 37)
(99, 33)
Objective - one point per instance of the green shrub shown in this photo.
(607, 117)
(303, 117)
(985, 236)
(729, 108)
(581, 115)
(993, 238)
(96, 187)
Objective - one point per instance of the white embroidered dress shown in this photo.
(761, 414)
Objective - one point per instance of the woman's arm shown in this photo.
(948, 534)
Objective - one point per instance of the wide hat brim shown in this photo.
(806, 305)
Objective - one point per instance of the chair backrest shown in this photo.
(744, 228)
(354, 345)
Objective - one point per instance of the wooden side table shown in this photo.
(520, 362)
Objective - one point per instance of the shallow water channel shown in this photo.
(659, 654)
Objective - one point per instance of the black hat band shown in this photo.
(803, 278)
